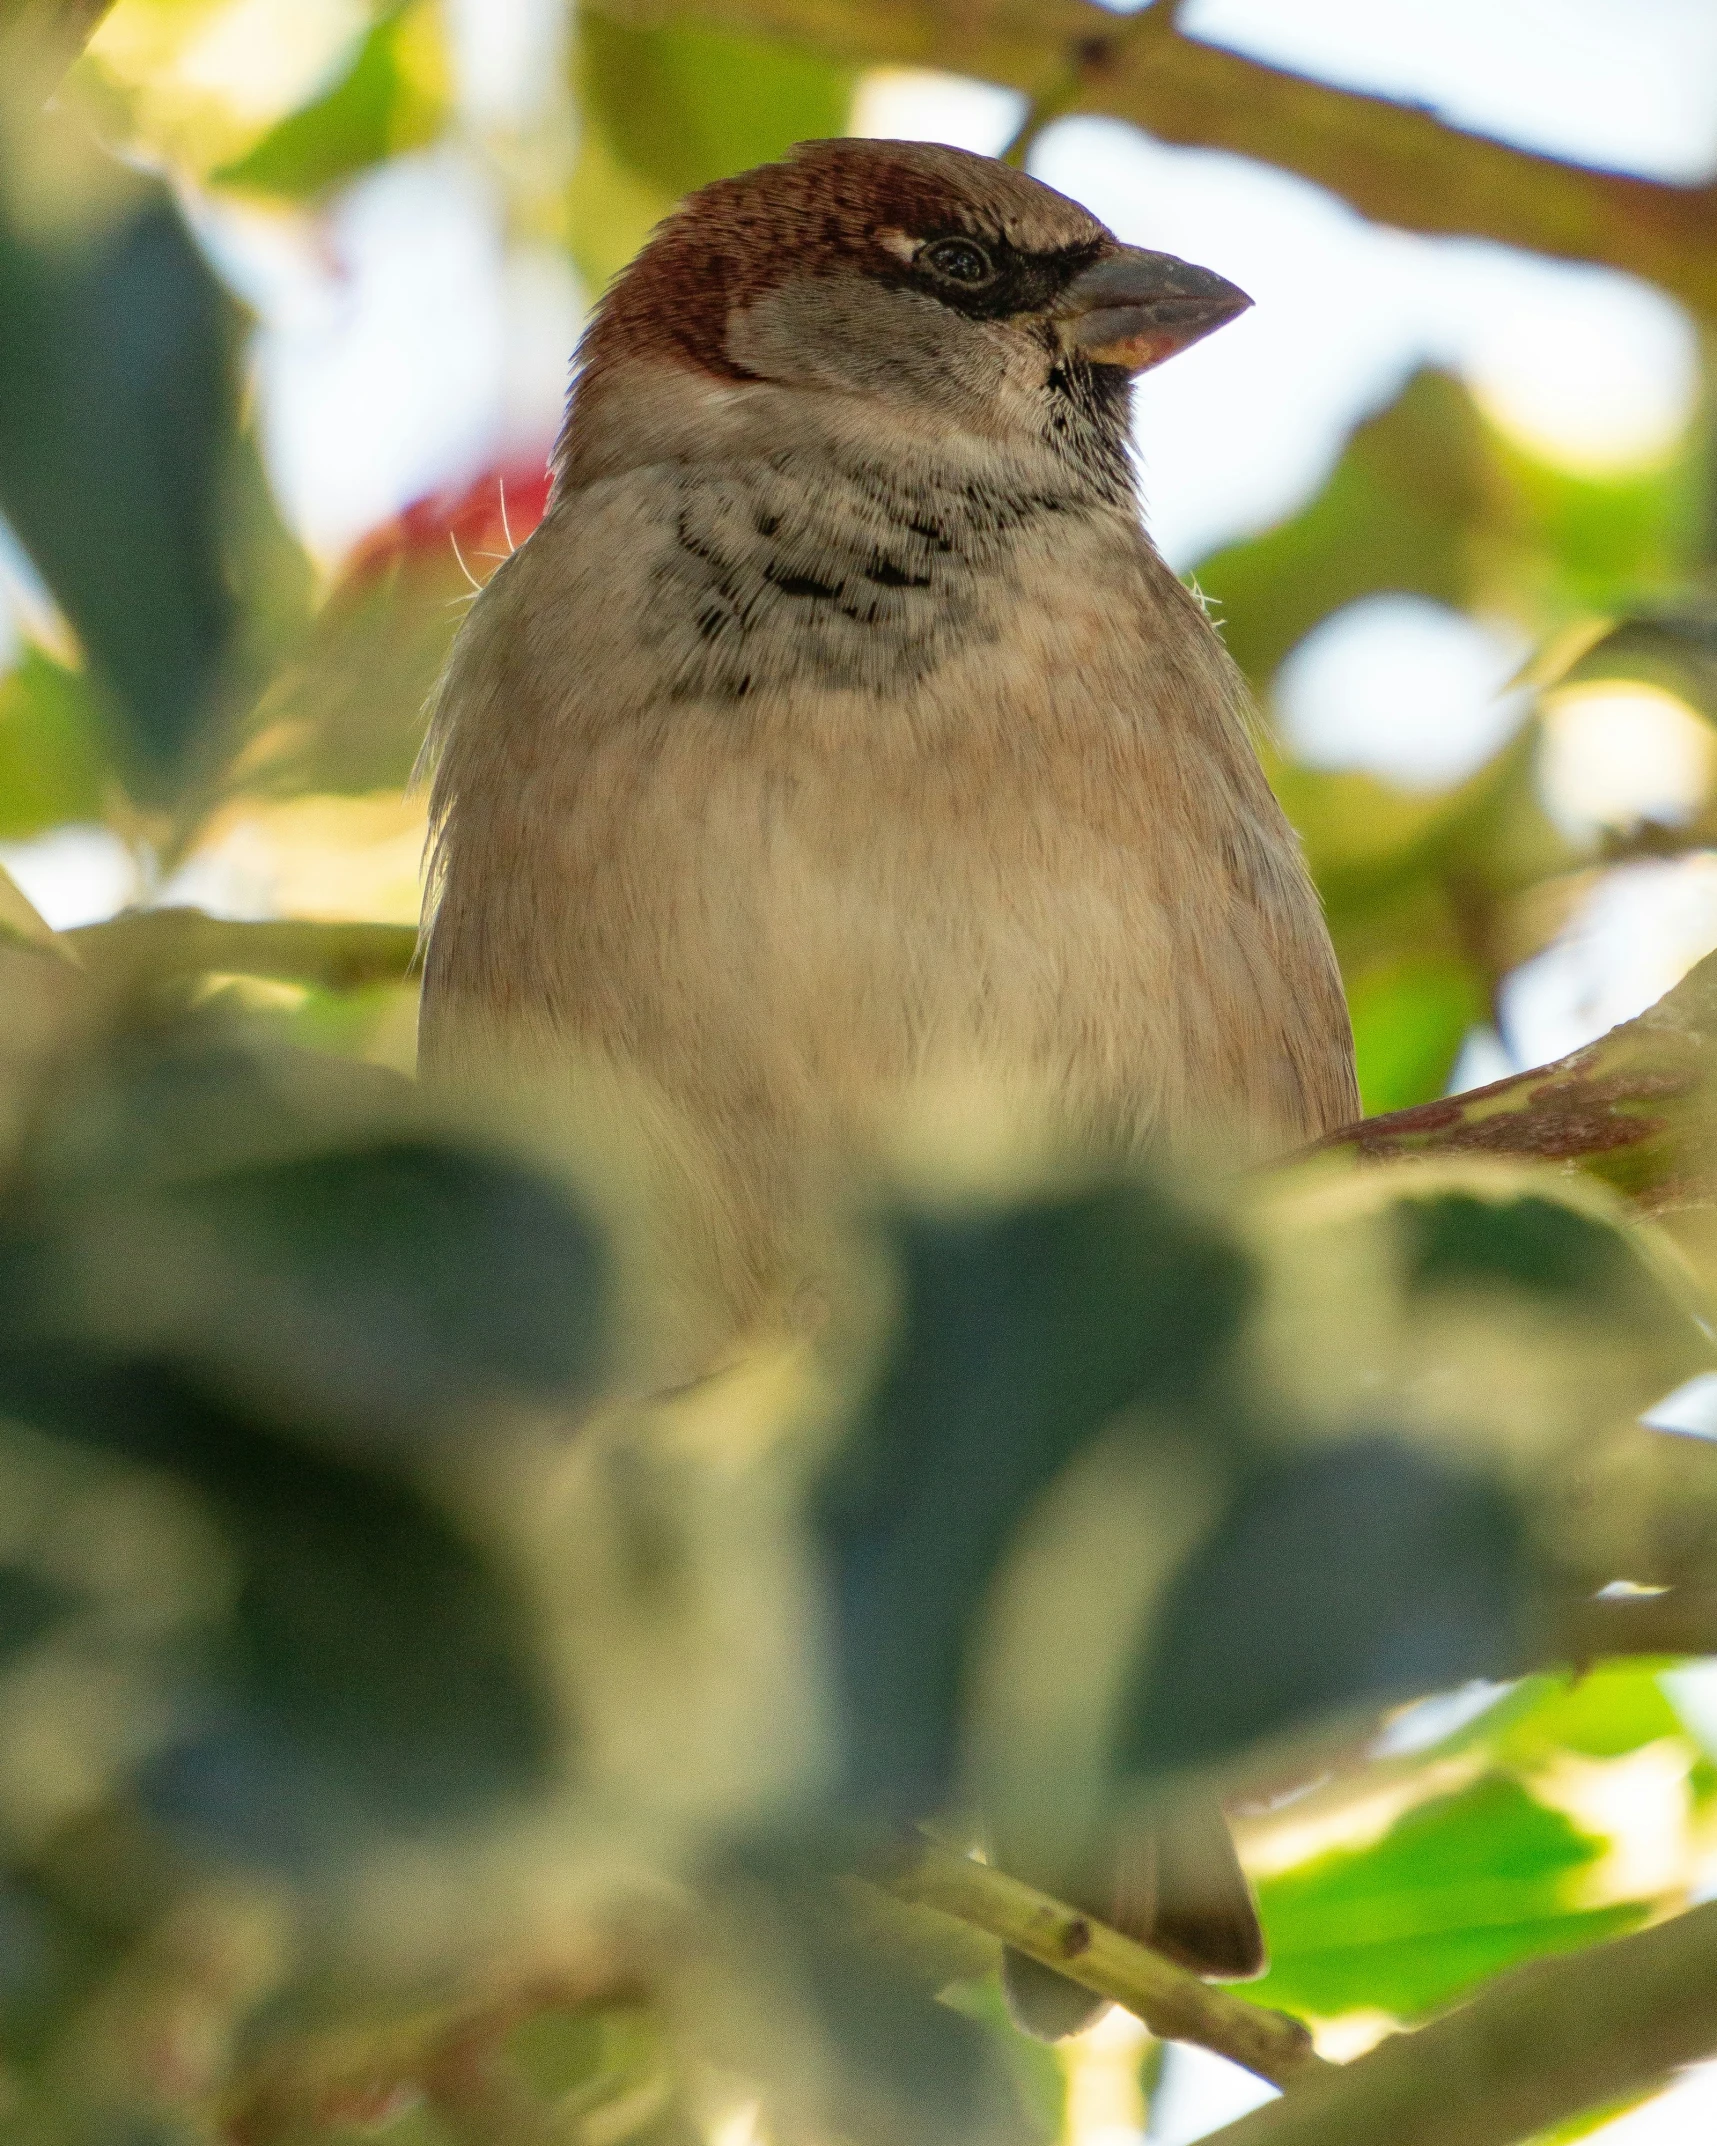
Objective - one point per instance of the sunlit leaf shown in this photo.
(1603, 1714)
(51, 749)
(378, 107)
(1458, 1889)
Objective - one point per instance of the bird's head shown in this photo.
(948, 286)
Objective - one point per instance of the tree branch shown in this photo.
(1679, 1621)
(1394, 162)
(1174, 2004)
(1637, 1108)
(1535, 2047)
(163, 943)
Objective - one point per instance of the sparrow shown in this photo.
(839, 743)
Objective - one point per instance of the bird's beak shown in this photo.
(1135, 308)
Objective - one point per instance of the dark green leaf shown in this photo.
(1359, 1573)
(1023, 1334)
(1540, 1245)
(273, 1222)
(117, 414)
(375, 1668)
(385, 1290)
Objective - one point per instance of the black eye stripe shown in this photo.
(1012, 281)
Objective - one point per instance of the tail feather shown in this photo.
(1178, 1887)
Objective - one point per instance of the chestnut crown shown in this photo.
(924, 276)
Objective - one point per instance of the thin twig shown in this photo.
(1175, 2005)
(159, 944)
(1088, 60)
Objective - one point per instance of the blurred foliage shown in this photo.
(390, 99)
(667, 109)
(408, 1731)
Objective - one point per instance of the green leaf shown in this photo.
(159, 944)
(1601, 1715)
(1410, 1020)
(1023, 1334)
(1676, 650)
(683, 105)
(389, 1289)
(376, 108)
(1598, 544)
(274, 1224)
(21, 924)
(51, 749)
(669, 108)
(1458, 1889)
(117, 415)
(365, 1665)
(847, 2037)
(1267, 1627)
(1538, 1244)
(1398, 514)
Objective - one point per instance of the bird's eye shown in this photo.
(961, 260)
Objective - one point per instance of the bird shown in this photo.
(840, 741)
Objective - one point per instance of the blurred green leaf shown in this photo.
(247, 1271)
(371, 1667)
(350, 1272)
(1022, 1334)
(1604, 1714)
(389, 1289)
(683, 105)
(375, 108)
(1408, 499)
(1537, 1244)
(117, 415)
(22, 925)
(51, 749)
(1458, 1889)
(848, 2038)
(1676, 650)
(1264, 1629)
(1037, 2071)
(668, 108)
(1409, 1023)
(1599, 543)
(159, 944)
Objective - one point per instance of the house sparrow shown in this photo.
(839, 738)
